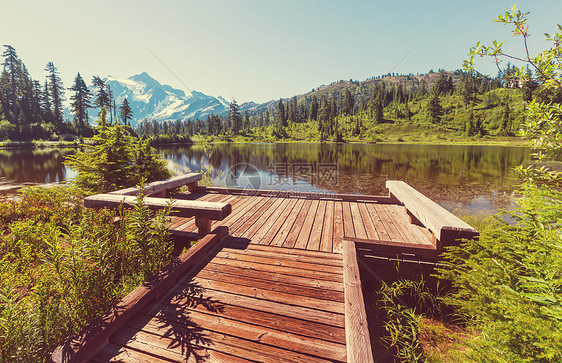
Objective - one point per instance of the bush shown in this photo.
(116, 160)
(62, 266)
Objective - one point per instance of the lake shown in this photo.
(472, 178)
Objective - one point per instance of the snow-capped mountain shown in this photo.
(153, 101)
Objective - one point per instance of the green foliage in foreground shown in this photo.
(62, 266)
(116, 160)
(508, 283)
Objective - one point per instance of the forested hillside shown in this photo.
(417, 108)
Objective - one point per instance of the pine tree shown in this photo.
(348, 103)
(281, 118)
(246, 122)
(234, 117)
(56, 93)
(125, 112)
(378, 108)
(434, 109)
(102, 96)
(12, 72)
(314, 108)
(80, 102)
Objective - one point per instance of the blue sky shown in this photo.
(258, 50)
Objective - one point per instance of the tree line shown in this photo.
(31, 109)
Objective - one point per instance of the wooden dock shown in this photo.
(273, 278)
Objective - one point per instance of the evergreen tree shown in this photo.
(56, 93)
(45, 102)
(102, 96)
(125, 112)
(234, 117)
(281, 115)
(434, 109)
(314, 108)
(12, 77)
(348, 103)
(80, 102)
(246, 122)
(378, 108)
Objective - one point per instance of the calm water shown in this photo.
(472, 178)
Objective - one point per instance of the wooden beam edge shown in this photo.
(85, 344)
(358, 341)
(296, 194)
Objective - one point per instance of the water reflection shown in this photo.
(473, 178)
(37, 166)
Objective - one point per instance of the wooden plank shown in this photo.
(266, 226)
(356, 328)
(239, 230)
(338, 227)
(162, 185)
(249, 233)
(295, 256)
(206, 346)
(325, 255)
(260, 341)
(117, 353)
(326, 242)
(401, 223)
(267, 260)
(182, 208)
(446, 226)
(270, 295)
(304, 234)
(389, 225)
(377, 221)
(358, 223)
(278, 322)
(418, 234)
(420, 250)
(287, 224)
(86, 343)
(178, 298)
(279, 269)
(265, 284)
(317, 226)
(370, 228)
(186, 348)
(296, 194)
(293, 234)
(244, 223)
(275, 277)
(281, 218)
(348, 226)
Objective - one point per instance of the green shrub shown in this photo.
(61, 266)
(114, 161)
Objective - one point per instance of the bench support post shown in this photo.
(203, 225)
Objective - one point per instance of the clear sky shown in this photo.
(257, 50)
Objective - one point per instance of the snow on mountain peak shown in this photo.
(153, 101)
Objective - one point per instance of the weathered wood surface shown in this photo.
(356, 329)
(445, 226)
(317, 225)
(245, 302)
(180, 208)
(94, 337)
(163, 185)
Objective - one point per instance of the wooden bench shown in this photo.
(445, 227)
(204, 212)
(159, 188)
